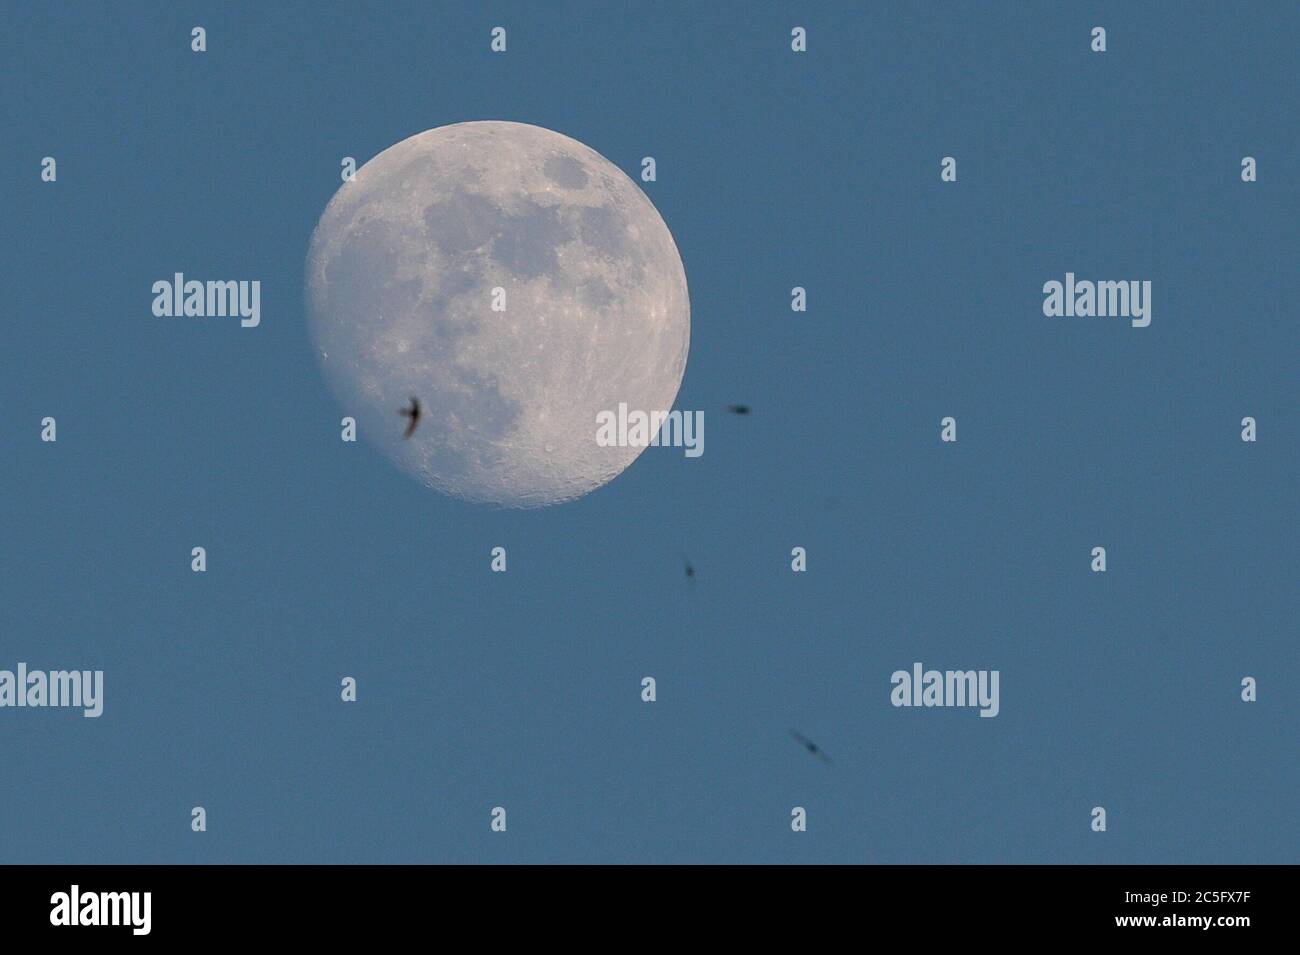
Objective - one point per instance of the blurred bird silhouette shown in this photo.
(812, 747)
(738, 409)
(690, 570)
(413, 413)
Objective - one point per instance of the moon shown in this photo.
(516, 283)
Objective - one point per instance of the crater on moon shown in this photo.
(400, 280)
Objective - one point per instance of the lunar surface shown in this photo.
(406, 265)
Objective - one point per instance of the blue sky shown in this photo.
(522, 690)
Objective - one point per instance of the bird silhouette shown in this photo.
(812, 747)
(738, 409)
(690, 570)
(413, 413)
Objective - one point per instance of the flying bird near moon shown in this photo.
(810, 746)
(518, 282)
(413, 415)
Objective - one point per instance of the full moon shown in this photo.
(515, 283)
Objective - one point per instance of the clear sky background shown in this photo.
(522, 689)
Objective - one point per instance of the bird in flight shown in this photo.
(809, 745)
(690, 570)
(738, 409)
(413, 413)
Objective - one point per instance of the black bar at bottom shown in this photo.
(337, 904)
